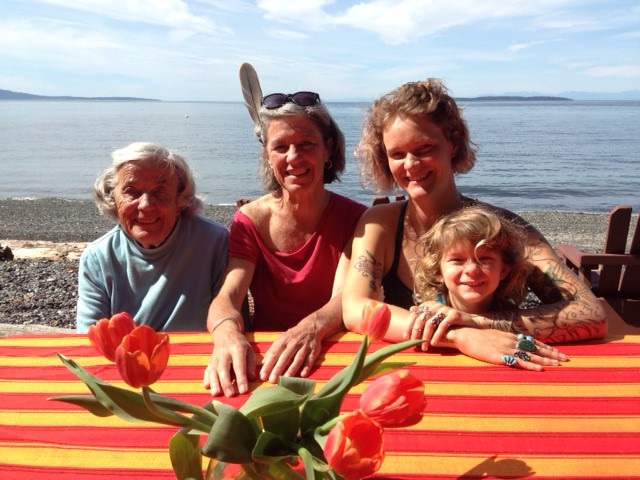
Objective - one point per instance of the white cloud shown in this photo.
(622, 71)
(401, 21)
(516, 47)
(282, 34)
(169, 13)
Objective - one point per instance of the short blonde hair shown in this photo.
(482, 228)
(144, 152)
(428, 98)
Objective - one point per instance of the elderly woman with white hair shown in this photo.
(162, 262)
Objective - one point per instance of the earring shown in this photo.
(328, 164)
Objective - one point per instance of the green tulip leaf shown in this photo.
(301, 386)
(385, 367)
(232, 437)
(271, 448)
(285, 424)
(128, 405)
(372, 361)
(314, 467)
(370, 364)
(321, 408)
(88, 402)
(186, 459)
(271, 401)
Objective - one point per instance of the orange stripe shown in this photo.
(330, 359)
(511, 467)
(43, 455)
(578, 390)
(429, 422)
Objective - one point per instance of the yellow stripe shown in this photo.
(445, 423)
(42, 455)
(511, 467)
(333, 360)
(460, 389)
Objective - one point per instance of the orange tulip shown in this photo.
(107, 334)
(376, 317)
(142, 356)
(354, 446)
(393, 399)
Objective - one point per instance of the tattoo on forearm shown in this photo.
(370, 268)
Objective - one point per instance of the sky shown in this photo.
(177, 50)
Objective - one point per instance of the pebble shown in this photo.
(39, 291)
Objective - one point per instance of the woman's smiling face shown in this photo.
(146, 198)
(419, 154)
(296, 152)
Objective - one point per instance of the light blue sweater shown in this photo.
(168, 288)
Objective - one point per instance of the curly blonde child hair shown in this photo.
(482, 228)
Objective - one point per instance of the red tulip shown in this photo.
(107, 334)
(354, 446)
(142, 356)
(376, 317)
(393, 399)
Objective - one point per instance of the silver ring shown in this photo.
(522, 355)
(436, 319)
(508, 360)
(423, 309)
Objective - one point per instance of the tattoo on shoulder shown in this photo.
(371, 269)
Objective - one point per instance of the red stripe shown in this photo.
(530, 406)
(19, 472)
(396, 440)
(200, 348)
(507, 443)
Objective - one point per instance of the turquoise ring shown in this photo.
(525, 343)
(508, 360)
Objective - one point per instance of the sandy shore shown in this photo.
(47, 236)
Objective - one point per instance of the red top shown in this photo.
(286, 287)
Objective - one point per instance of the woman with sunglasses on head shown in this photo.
(289, 247)
(415, 138)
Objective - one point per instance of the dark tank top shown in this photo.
(396, 292)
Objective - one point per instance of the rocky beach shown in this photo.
(46, 236)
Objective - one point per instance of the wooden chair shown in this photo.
(384, 199)
(612, 274)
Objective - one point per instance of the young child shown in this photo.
(472, 260)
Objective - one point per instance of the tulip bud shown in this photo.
(393, 399)
(142, 356)
(354, 447)
(106, 334)
(376, 317)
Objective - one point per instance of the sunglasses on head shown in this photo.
(303, 99)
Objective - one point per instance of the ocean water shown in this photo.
(569, 156)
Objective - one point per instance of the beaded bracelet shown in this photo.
(224, 319)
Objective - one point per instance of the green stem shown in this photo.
(326, 427)
(172, 416)
(188, 408)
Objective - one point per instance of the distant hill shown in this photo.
(9, 95)
(514, 98)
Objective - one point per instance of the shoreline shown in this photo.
(63, 221)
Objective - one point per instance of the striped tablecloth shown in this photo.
(579, 420)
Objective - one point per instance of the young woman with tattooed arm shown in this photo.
(415, 138)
